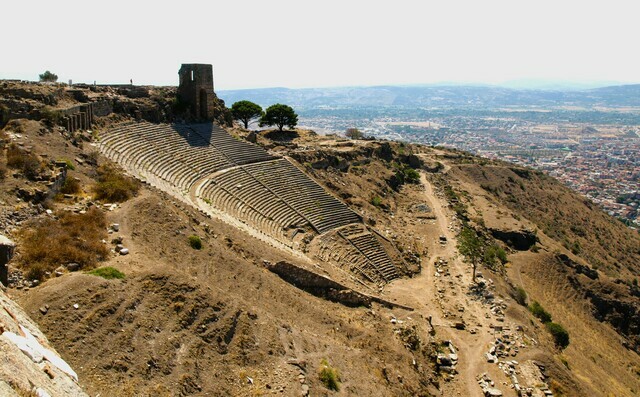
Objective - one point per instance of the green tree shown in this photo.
(49, 77)
(354, 133)
(246, 111)
(470, 245)
(279, 115)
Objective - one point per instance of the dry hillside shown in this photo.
(182, 318)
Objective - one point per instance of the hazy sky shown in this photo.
(288, 43)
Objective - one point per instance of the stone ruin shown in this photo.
(78, 118)
(196, 90)
(6, 253)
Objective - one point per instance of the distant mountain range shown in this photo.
(439, 96)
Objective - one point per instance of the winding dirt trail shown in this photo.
(444, 298)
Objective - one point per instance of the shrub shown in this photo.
(411, 175)
(92, 157)
(27, 163)
(195, 242)
(107, 272)
(521, 296)
(32, 167)
(494, 254)
(50, 115)
(376, 201)
(114, 186)
(329, 376)
(537, 310)
(36, 271)
(560, 335)
(70, 186)
(49, 243)
(3, 171)
(406, 174)
(501, 254)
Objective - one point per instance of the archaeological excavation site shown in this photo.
(152, 246)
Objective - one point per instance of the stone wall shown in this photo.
(102, 108)
(324, 287)
(78, 117)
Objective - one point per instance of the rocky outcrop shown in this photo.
(623, 315)
(613, 302)
(580, 269)
(520, 240)
(30, 367)
(336, 162)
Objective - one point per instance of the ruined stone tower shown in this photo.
(196, 89)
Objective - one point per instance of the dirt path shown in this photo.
(443, 297)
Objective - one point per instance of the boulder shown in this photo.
(492, 392)
(252, 137)
(521, 240)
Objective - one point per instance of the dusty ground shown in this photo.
(204, 322)
(216, 322)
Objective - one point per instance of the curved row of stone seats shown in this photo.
(369, 245)
(237, 151)
(131, 145)
(177, 153)
(245, 198)
(304, 195)
(353, 230)
(333, 248)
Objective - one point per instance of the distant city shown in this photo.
(589, 139)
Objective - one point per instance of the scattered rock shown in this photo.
(492, 392)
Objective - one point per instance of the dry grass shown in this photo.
(49, 243)
(114, 186)
(562, 215)
(70, 186)
(329, 376)
(27, 163)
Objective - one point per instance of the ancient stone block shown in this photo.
(6, 253)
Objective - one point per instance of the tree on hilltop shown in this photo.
(246, 111)
(279, 115)
(48, 77)
(354, 133)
